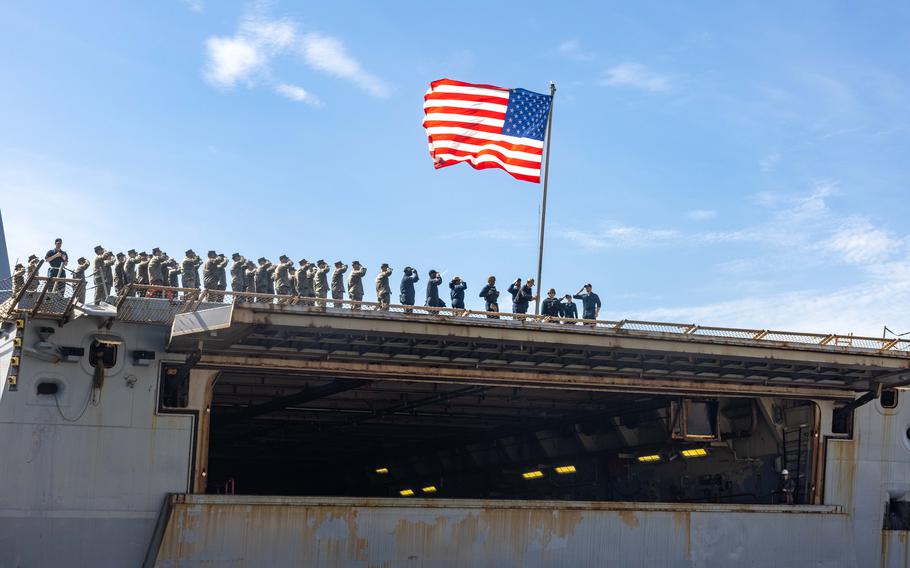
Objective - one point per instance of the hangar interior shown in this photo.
(279, 434)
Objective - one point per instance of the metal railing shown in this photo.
(40, 296)
(133, 305)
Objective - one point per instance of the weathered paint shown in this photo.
(264, 531)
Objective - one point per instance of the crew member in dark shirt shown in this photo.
(590, 302)
(569, 309)
(551, 306)
(57, 259)
(490, 296)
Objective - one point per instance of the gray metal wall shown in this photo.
(86, 493)
(278, 532)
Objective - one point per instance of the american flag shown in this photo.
(486, 127)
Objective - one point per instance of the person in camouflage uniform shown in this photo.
(18, 279)
(173, 277)
(305, 281)
(383, 289)
(249, 277)
(321, 281)
(129, 268)
(238, 273)
(119, 273)
(79, 274)
(283, 277)
(338, 282)
(221, 275)
(102, 275)
(210, 276)
(156, 273)
(33, 263)
(264, 279)
(142, 272)
(355, 283)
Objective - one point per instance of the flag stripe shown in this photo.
(444, 131)
(453, 103)
(465, 124)
(500, 115)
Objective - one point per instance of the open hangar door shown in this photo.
(275, 434)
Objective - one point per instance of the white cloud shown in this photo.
(231, 59)
(701, 214)
(620, 235)
(328, 54)
(245, 58)
(637, 76)
(857, 241)
(572, 49)
(296, 93)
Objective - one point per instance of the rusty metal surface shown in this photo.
(277, 532)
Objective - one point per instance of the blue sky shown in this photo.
(717, 164)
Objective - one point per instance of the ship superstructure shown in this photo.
(171, 430)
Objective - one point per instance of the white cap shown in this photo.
(784, 472)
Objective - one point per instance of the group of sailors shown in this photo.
(143, 272)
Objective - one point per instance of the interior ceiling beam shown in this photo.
(302, 397)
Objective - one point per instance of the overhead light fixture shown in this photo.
(382, 470)
(565, 469)
(649, 458)
(536, 474)
(695, 453)
(429, 489)
(406, 492)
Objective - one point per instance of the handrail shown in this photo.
(194, 298)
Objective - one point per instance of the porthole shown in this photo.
(888, 398)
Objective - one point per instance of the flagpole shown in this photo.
(543, 208)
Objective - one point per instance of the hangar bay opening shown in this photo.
(280, 434)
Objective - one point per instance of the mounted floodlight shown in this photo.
(695, 453)
(651, 458)
(565, 469)
(382, 470)
(536, 474)
(406, 492)
(429, 489)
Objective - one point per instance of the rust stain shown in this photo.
(682, 522)
(629, 519)
(844, 455)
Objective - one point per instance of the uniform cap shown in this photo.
(385, 265)
(262, 259)
(213, 253)
(156, 249)
(320, 261)
(131, 251)
(588, 285)
(99, 248)
(33, 257)
(120, 255)
(189, 252)
(19, 265)
(81, 259)
(357, 262)
(338, 263)
(235, 255)
(143, 253)
(303, 261)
